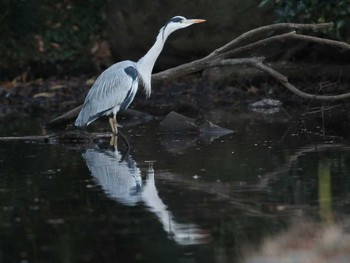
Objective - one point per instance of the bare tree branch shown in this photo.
(223, 56)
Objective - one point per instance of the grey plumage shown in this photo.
(108, 93)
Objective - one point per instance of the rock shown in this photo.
(177, 123)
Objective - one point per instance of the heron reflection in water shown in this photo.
(121, 180)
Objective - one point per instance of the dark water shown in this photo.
(173, 198)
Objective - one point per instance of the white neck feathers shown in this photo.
(146, 63)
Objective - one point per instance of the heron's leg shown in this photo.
(112, 125)
(113, 141)
(115, 123)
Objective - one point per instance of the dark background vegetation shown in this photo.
(48, 33)
(46, 37)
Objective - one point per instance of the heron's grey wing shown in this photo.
(112, 88)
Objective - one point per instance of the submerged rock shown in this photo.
(177, 123)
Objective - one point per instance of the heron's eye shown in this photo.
(176, 20)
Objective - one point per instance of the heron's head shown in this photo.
(178, 22)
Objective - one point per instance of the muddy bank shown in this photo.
(192, 96)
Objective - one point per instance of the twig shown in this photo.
(321, 109)
(313, 99)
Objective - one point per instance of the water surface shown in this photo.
(173, 198)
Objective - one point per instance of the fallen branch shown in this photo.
(72, 114)
(224, 56)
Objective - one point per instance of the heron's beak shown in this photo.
(195, 21)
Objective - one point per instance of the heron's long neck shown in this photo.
(146, 63)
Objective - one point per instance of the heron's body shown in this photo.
(116, 87)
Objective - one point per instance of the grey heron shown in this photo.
(115, 88)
